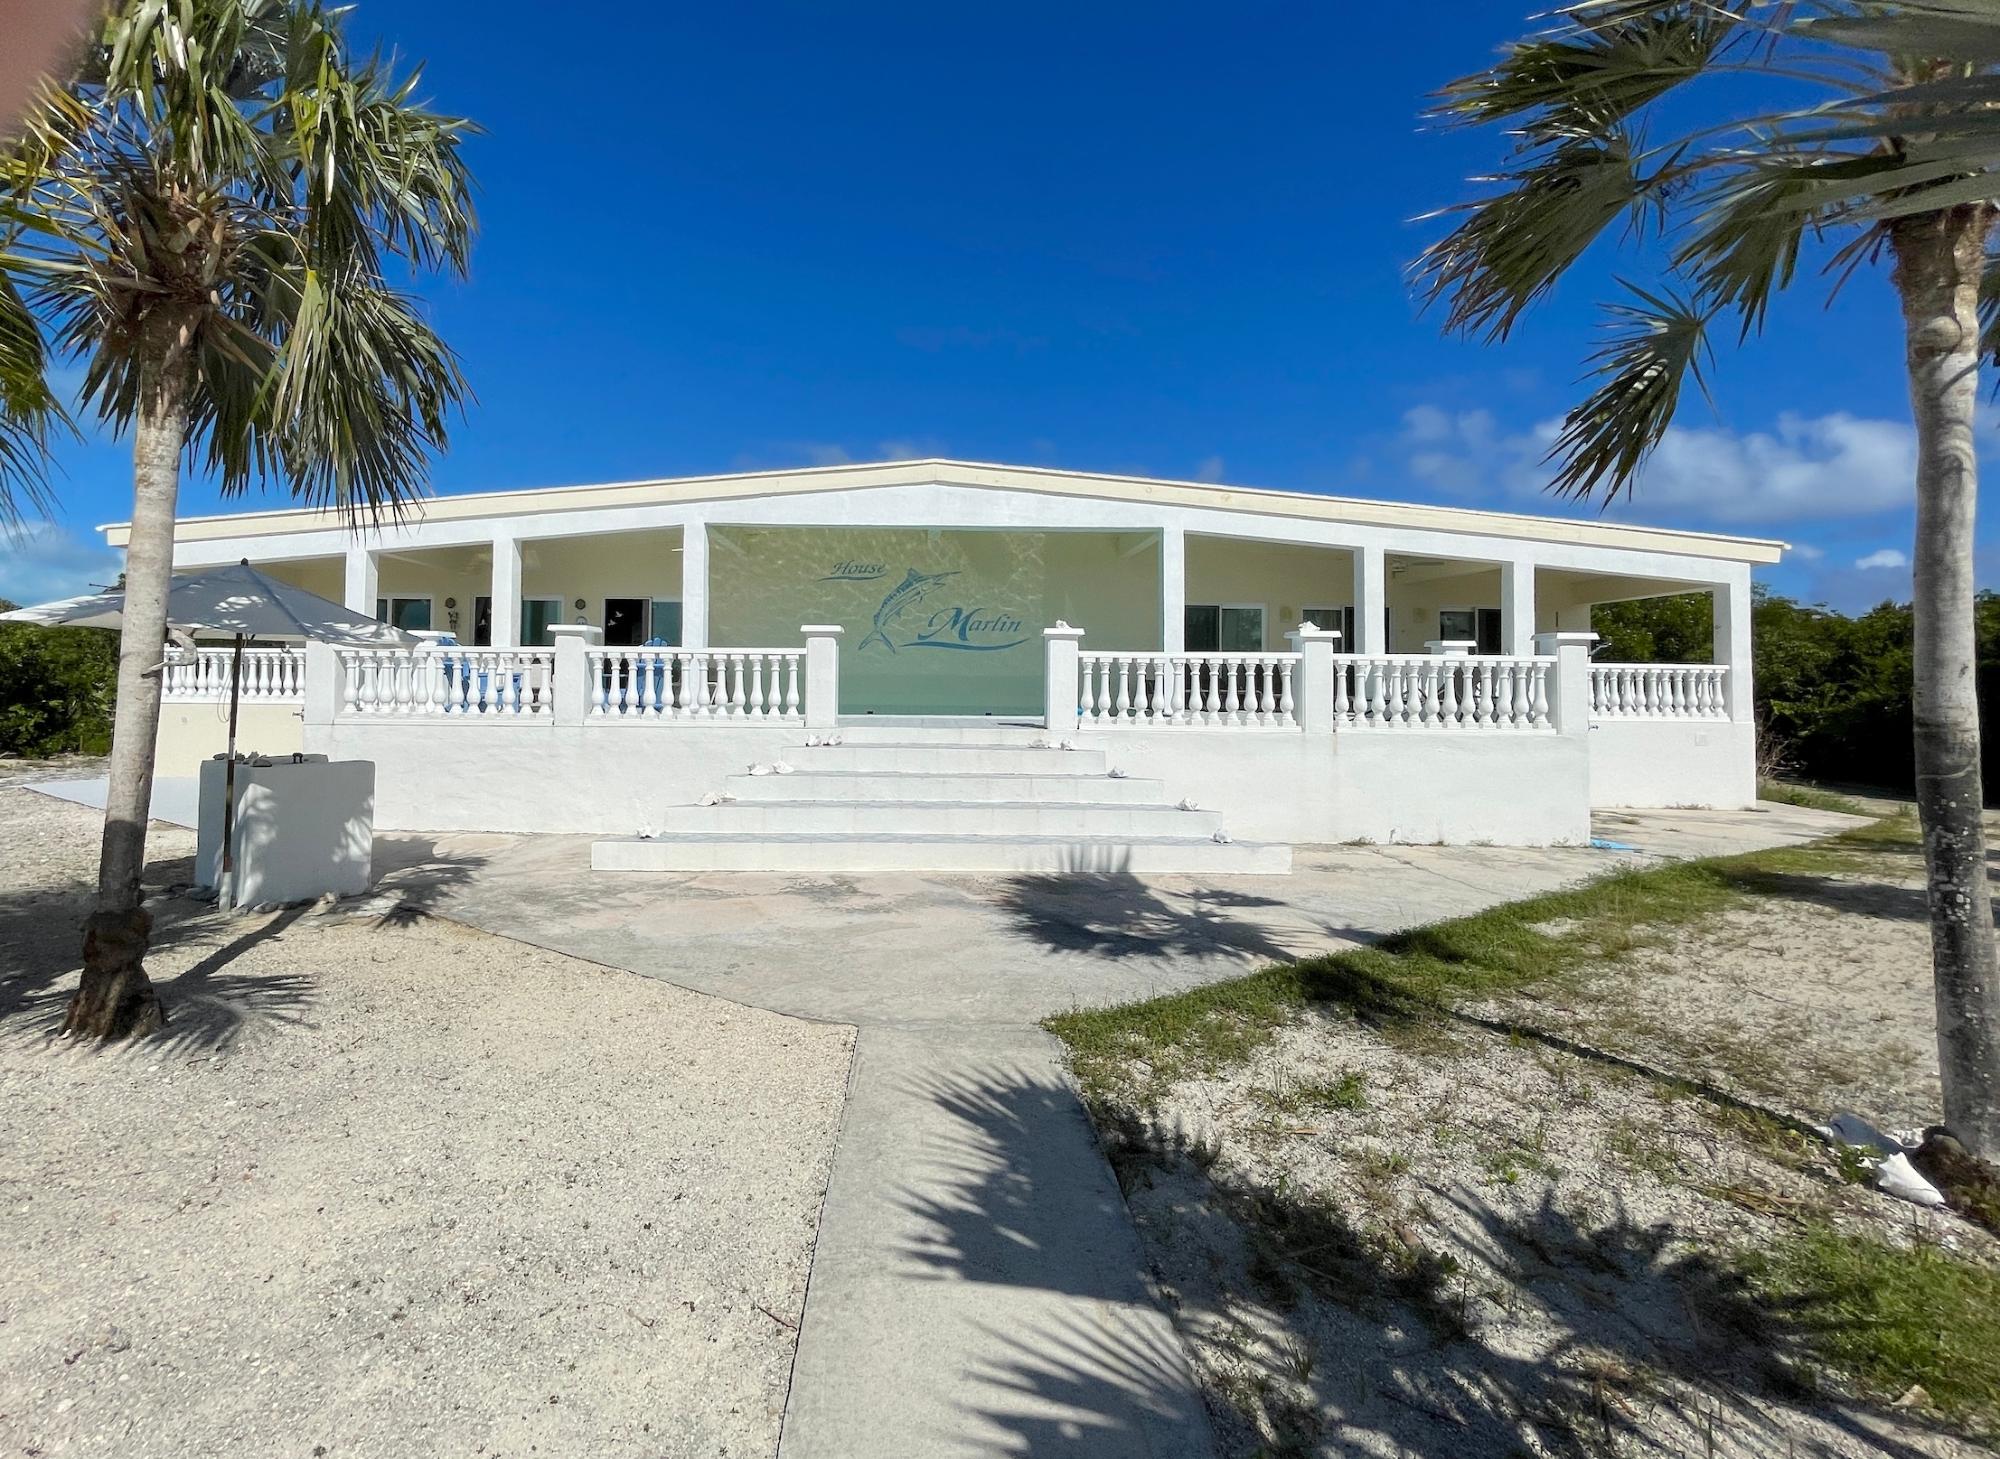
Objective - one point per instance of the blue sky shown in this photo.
(1167, 239)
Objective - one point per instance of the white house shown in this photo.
(954, 665)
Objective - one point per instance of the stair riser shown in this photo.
(865, 732)
(949, 759)
(854, 857)
(839, 818)
(803, 785)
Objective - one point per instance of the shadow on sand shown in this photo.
(212, 1002)
(1367, 1333)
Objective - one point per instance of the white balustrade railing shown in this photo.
(1659, 691)
(511, 682)
(1200, 690)
(203, 674)
(715, 683)
(1441, 692)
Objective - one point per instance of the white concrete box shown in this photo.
(304, 827)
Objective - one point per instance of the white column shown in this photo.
(1569, 681)
(1059, 691)
(360, 593)
(1732, 643)
(694, 585)
(322, 683)
(1313, 693)
(1371, 596)
(506, 591)
(1517, 609)
(1173, 590)
(572, 681)
(822, 673)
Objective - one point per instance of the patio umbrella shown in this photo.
(243, 603)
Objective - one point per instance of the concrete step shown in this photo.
(997, 731)
(904, 785)
(983, 758)
(1073, 855)
(941, 818)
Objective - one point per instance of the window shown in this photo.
(412, 615)
(536, 616)
(1477, 626)
(1341, 619)
(1223, 628)
(624, 622)
(666, 623)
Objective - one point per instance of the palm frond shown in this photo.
(1658, 341)
(362, 394)
(1510, 248)
(1605, 61)
(29, 412)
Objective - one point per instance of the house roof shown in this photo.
(1262, 501)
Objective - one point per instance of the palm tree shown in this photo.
(206, 216)
(1626, 118)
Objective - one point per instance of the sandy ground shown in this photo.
(1406, 1240)
(387, 1186)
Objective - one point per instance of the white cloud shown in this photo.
(47, 561)
(1804, 467)
(1210, 468)
(1807, 552)
(1885, 558)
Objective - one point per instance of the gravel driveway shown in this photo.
(390, 1186)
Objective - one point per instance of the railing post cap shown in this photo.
(1062, 630)
(1451, 647)
(821, 630)
(581, 632)
(1310, 632)
(1563, 638)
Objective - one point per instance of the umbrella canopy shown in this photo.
(228, 600)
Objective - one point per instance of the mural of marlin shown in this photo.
(914, 588)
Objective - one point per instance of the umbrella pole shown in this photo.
(228, 877)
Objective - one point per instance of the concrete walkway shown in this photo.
(977, 1287)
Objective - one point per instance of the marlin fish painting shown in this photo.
(914, 588)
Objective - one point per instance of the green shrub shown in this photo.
(57, 688)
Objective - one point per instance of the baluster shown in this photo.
(1288, 705)
(1448, 695)
(1100, 668)
(1538, 709)
(1121, 695)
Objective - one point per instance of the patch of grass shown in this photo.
(1890, 1318)
(1807, 797)
(1403, 985)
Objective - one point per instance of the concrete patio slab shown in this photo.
(176, 799)
(977, 1286)
(907, 948)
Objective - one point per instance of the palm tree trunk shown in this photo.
(115, 998)
(1939, 258)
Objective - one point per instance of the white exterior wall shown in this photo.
(1645, 763)
(533, 776)
(193, 731)
(1306, 789)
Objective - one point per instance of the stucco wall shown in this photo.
(1304, 789)
(1285, 579)
(1421, 788)
(602, 780)
(191, 733)
(1651, 762)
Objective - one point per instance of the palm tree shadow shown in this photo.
(1339, 1331)
(214, 1003)
(1641, 1327)
(1115, 915)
